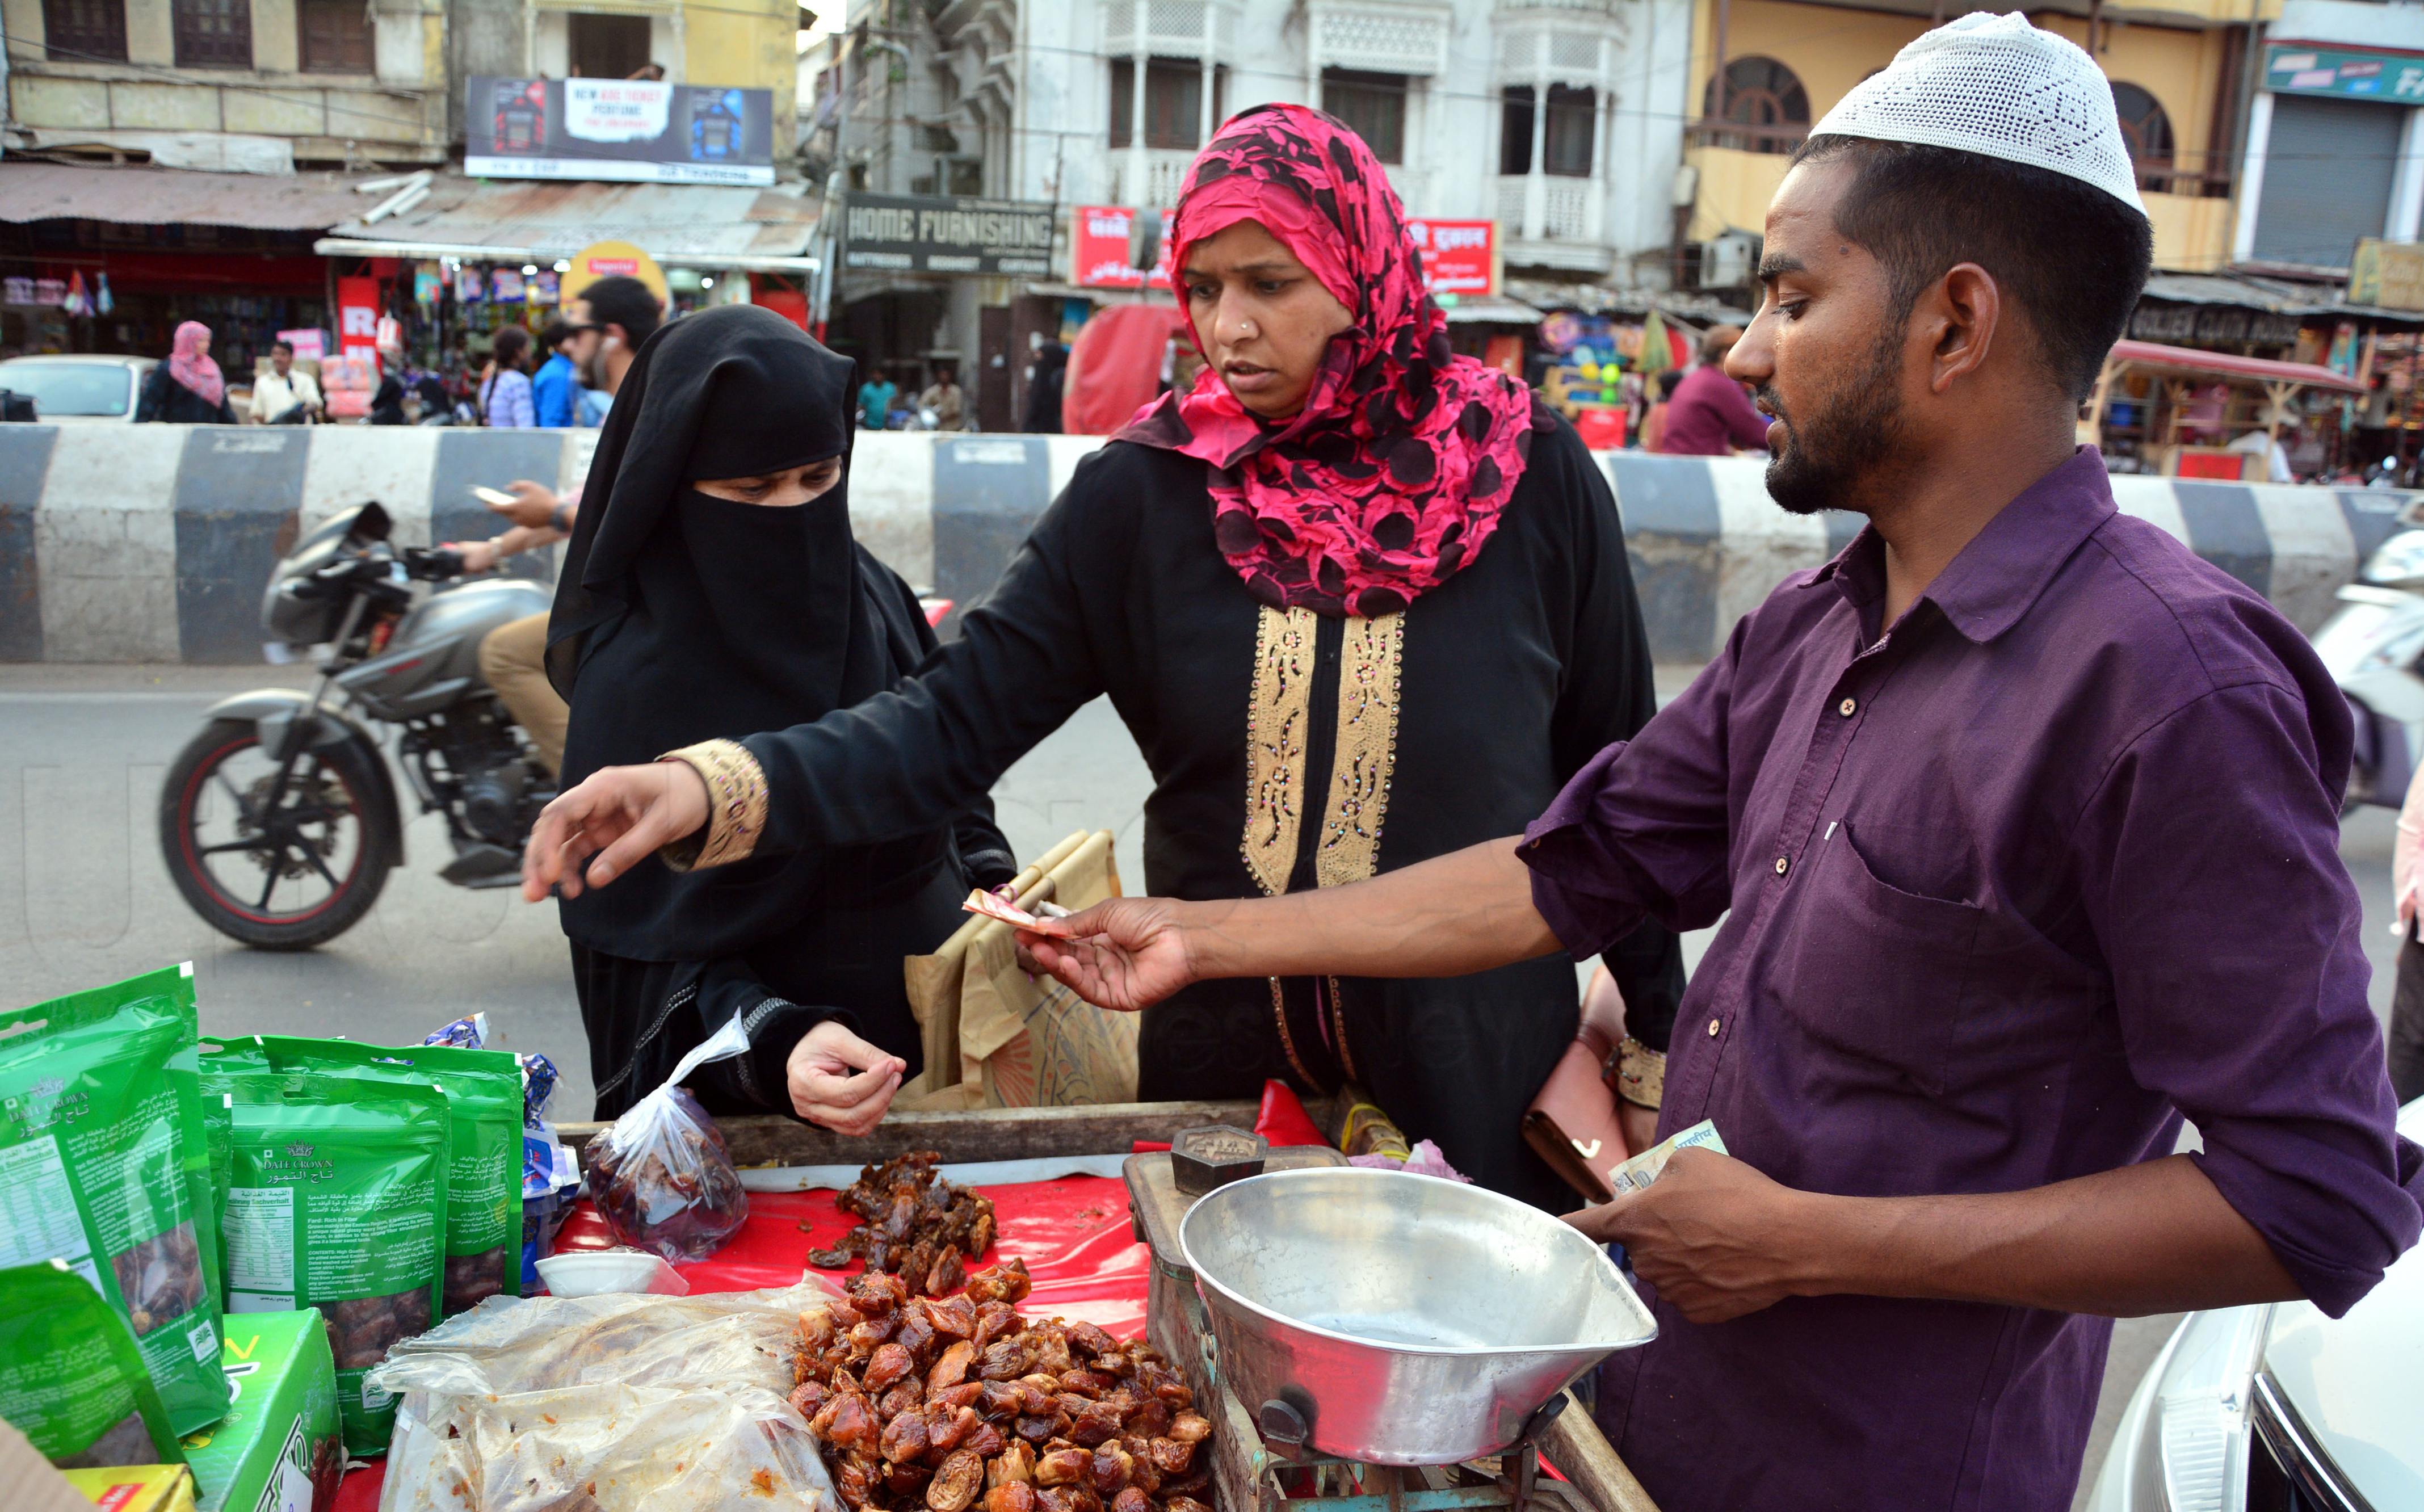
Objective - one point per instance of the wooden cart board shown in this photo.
(959, 1135)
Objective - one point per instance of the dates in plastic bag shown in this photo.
(661, 1175)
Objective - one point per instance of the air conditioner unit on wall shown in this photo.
(1729, 261)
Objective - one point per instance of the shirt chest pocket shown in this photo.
(1875, 973)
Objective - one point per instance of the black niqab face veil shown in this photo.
(731, 392)
(682, 617)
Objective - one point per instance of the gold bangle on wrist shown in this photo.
(1640, 1074)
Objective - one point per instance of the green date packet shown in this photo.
(104, 1165)
(71, 1378)
(483, 1099)
(336, 1200)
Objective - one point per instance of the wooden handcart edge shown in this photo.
(973, 1134)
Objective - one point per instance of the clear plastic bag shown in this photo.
(661, 1175)
(605, 1403)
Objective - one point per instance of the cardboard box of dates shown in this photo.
(280, 1448)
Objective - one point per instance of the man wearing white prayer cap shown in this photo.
(2022, 824)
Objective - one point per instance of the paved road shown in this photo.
(84, 898)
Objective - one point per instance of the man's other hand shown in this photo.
(1126, 954)
(841, 1081)
(1715, 1236)
(620, 816)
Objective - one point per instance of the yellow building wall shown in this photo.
(1831, 49)
(747, 45)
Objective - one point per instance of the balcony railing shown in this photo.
(2193, 175)
(1742, 137)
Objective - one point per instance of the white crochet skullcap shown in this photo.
(2000, 86)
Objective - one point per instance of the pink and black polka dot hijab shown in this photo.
(1394, 474)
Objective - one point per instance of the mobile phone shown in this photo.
(493, 495)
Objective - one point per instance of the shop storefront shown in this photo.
(108, 260)
(928, 283)
(468, 258)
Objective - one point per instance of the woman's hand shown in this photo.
(1126, 954)
(825, 1091)
(478, 556)
(622, 815)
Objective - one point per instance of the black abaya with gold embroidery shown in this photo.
(1289, 750)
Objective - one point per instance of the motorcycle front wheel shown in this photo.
(279, 866)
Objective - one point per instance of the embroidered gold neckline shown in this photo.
(1279, 711)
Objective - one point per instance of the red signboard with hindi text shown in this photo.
(1459, 257)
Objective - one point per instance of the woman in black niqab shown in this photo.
(688, 611)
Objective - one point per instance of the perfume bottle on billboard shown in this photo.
(520, 129)
(715, 125)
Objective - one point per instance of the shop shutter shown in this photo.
(2327, 172)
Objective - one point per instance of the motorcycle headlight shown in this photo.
(2193, 1454)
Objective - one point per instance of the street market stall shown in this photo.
(344, 1210)
(2185, 413)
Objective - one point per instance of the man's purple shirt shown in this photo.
(2011, 887)
(1710, 415)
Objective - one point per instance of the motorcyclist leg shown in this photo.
(513, 657)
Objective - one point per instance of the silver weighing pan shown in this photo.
(1405, 1320)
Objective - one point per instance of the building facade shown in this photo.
(1553, 117)
(2183, 72)
(245, 86)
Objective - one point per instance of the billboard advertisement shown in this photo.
(632, 130)
(1459, 257)
(928, 234)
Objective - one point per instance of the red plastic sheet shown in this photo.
(1073, 1233)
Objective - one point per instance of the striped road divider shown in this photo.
(153, 543)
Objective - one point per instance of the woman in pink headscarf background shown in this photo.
(188, 388)
(1360, 601)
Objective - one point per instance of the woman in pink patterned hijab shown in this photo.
(1361, 604)
(1357, 462)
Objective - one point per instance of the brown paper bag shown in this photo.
(994, 1039)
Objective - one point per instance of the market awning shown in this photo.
(1490, 310)
(2190, 362)
(175, 197)
(691, 225)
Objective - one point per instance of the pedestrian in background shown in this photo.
(505, 394)
(943, 396)
(188, 388)
(875, 398)
(279, 394)
(1653, 423)
(555, 389)
(610, 322)
(1710, 415)
(1044, 391)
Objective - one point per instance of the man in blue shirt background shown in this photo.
(555, 389)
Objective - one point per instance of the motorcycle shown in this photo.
(2374, 649)
(280, 820)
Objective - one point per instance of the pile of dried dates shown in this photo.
(913, 1224)
(945, 1404)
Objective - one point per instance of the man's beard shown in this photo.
(1828, 455)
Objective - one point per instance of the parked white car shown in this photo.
(2279, 1409)
(74, 389)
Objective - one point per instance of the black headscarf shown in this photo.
(682, 617)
